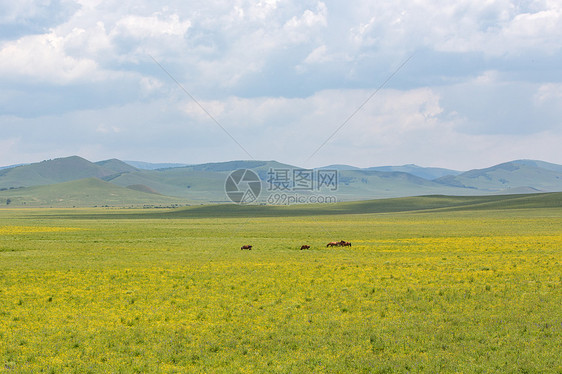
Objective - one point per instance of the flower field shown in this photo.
(453, 292)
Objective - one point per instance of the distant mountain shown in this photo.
(83, 193)
(540, 164)
(10, 166)
(150, 166)
(367, 184)
(212, 166)
(519, 191)
(183, 182)
(517, 175)
(419, 171)
(117, 166)
(340, 167)
(52, 171)
(229, 166)
(204, 183)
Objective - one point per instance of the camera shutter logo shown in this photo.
(243, 186)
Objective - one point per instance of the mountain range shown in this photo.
(75, 181)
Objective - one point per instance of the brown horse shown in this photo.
(305, 247)
(345, 244)
(332, 244)
(249, 247)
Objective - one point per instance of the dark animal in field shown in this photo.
(249, 247)
(305, 247)
(341, 243)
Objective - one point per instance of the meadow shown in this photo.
(119, 291)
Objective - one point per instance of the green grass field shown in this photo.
(451, 287)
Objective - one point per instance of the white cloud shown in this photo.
(492, 104)
(260, 10)
(105, 129)
(149, 85)
(549, 94)
(281, 76)
(499, 29)
(395, 127)
(317, 56)
(43, 58)
(298, 28)
(149, 27)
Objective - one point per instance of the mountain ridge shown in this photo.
(539, 175)
(205, 183)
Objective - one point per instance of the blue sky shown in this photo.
(483, 85)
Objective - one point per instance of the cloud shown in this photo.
(281, 76)
(298, 26)
(20, 18)
(146, 27)
(104, 129)
(317, 56)
(490, 104)
(394, 127)
(43, 58)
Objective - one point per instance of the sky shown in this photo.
(462, 85)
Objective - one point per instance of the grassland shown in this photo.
(455, 287)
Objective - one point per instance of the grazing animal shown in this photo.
(248, 247)
(305, 247)
(341, 243)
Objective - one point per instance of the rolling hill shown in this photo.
(52, 172)
(86, 192)
(152, 166)
(368, 184)
(519, 175)
(117, 166)
(418, 171)
(205, 183)
(429, 173)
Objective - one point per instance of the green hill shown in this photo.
(205, 183)
(371, 184)
(87, 192)
(51, 172)
(153, 166)
(203, 186)
(242, 164)
(142, 188)
(117, 166)
(428, 173)
(536, 175)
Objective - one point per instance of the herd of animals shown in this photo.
(341, 243)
